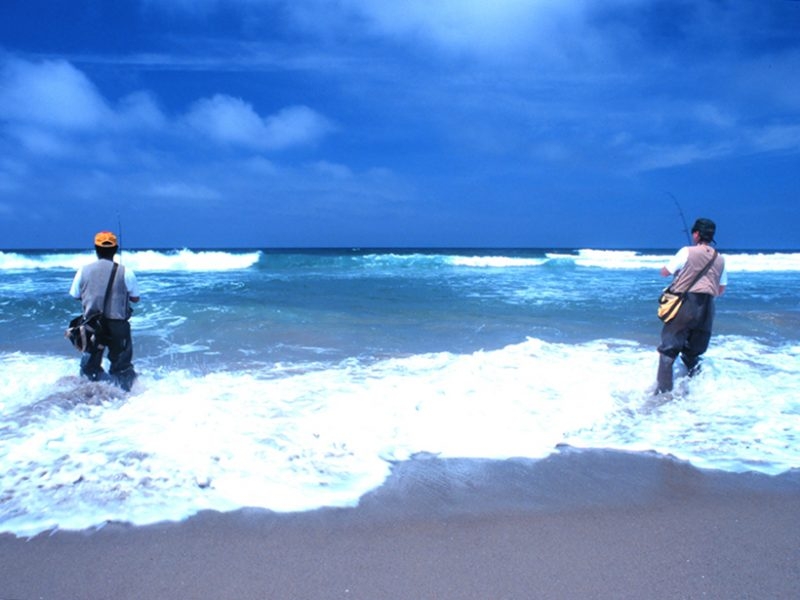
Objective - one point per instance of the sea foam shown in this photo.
(286, 438)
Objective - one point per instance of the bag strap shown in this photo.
(107, 302)
(703, 272)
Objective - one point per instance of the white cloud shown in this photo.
(184, 191)
(477, 27)
(502, 30)
(139, 110)
(462, 23)
(332, 170)
(473, 26)
(50, 94)
(296, 125)
(776, 138)
(233, 121)
(260, 166)
(228, 120)
(50, 108)
(40, 141)
(664, 157)
(713, 115)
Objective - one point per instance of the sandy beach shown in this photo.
(580, 524)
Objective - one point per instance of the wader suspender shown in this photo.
(107, 303)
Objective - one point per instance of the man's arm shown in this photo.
(132, 285)
(723, 281)
(676, 262)
(75, 288)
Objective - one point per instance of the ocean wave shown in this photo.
(761, 262)
(619, 259)
(188, 260)
(18, 261)
(138, 260)
(496, 262)
(630, 260)
(758, 262)
(223, 260)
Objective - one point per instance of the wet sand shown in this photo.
(580, 524)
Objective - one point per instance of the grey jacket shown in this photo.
(93, 284)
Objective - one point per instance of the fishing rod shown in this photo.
(683, 219)
(119, 238)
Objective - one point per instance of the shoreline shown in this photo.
(668, 249)
(581, 523)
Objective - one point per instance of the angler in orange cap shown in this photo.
(106, 289)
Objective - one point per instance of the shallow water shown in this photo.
(294, 380)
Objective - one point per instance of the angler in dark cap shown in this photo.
(699, 273)
(705, 229)
(106, 289)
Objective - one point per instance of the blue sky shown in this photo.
(364, 123)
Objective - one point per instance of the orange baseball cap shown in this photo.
(105, 239)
